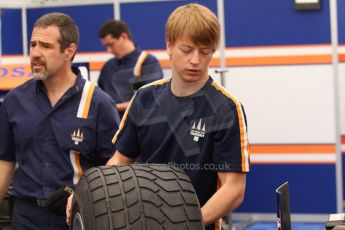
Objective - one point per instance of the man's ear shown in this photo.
(168, 45)
(124, 36)
(70, 51)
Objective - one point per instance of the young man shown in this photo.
(130, 68)
(189, 121)
(54, 127)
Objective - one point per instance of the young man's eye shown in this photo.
(206, 51)
(186, 50)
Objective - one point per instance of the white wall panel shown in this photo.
(342, 96)
(286, 104)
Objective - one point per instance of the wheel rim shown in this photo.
(78, 222)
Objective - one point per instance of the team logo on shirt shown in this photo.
(198, 130)
(77, 136)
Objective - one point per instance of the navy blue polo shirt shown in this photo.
(116, 75)
(54, 145)
(203, 133)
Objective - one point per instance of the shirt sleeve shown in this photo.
(231, 148)
(7, 144)
(126, 139)
(107, 124)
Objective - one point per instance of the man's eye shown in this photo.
(186, 50)
(206, 51)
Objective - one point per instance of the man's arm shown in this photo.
(119, 158)
(6, 169)
(228, 197)
(122, 106)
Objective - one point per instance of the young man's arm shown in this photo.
(119, 158)
(6, 169)
(232, 188)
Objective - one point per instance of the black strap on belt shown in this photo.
(41, 203)
(38, 202)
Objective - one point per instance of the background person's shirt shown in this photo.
(117, 75)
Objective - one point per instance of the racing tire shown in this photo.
(137, 196)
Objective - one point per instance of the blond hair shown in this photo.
(196, 22)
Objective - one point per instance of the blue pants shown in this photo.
(28, 216)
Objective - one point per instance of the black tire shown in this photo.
(146, 196)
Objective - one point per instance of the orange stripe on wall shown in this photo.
(14, 75)
(342, 57)
(7, 84)
(253, 61)
(327, 148)
(97, 65)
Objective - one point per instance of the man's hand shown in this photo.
(69, 209)
(58, 201)
(7, 170)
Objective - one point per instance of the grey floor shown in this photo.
(5, 227)
(295, 226)
(255, 226)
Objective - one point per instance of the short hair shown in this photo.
(68, 29)
(115, 28)
(196, 22)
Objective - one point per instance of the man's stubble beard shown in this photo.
(40, 76)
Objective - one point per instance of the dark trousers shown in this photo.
(28, 216)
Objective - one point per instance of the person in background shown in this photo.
(53, 127)
(130, 68)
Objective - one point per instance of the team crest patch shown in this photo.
(77, 136)
(198, 130)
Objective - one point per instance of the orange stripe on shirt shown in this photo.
(139, 64)
(242, 126)
(124, 118)
(77, 161)
(77, 169)
(88, 101)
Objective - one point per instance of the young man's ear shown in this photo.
(70, 51)
(168, 48)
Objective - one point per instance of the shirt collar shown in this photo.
(78, 85)
(131, 55)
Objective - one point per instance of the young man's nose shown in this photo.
(195, 59)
